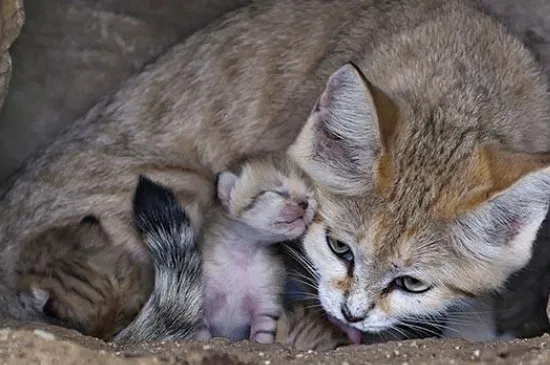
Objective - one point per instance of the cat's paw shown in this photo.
(34, 300)
(264, 338)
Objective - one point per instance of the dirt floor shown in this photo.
(49, 345)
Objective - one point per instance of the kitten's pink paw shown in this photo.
(203, 335)
(264, 338)
(264, 327)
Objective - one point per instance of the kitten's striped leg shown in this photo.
(264, 327)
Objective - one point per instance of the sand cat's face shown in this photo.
(414, 215)
(275, 200)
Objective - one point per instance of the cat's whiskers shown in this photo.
(302, 259)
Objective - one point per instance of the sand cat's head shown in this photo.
(270, 194)
(419, 206)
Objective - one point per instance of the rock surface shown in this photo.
(50, 345)
(71, 52)
(11, 20)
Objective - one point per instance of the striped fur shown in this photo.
(174, 309)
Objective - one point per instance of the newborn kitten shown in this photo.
(267, 203)
(305, 328)
(59, 286)
(73, 276)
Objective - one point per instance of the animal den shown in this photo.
(58, 58)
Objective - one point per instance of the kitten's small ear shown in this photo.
(508, 209)
(91, 220)
(91, 229)
(225, 182)
(352, 123)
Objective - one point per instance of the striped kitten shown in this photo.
(309, 329)
(78, 288)
(72, 275)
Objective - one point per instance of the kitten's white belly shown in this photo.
(237, 288)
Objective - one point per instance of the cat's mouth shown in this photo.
(355, 336)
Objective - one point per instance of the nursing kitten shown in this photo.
(428, 156)
(73, 276)
(58, 289)
(304, 328)
(267, 203)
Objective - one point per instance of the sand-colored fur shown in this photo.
(305, 328)
(442, 157)
(89, 284)
(438, 82)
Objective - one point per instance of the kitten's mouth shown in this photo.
(290, 221)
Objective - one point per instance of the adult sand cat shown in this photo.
(428, 161)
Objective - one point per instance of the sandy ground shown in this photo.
(50, 345)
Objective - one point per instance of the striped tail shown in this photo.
(174, 310)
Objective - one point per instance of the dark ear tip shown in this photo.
(89, 219)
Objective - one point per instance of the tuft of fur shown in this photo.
(174, 311)
(265, 204)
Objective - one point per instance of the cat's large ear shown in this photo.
(507, 210)
(345, 133)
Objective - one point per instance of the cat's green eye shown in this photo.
(411, 285)
(339, 248)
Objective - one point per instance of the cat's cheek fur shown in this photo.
(329, 268)
(405, 305)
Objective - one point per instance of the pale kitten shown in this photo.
(267, 203)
